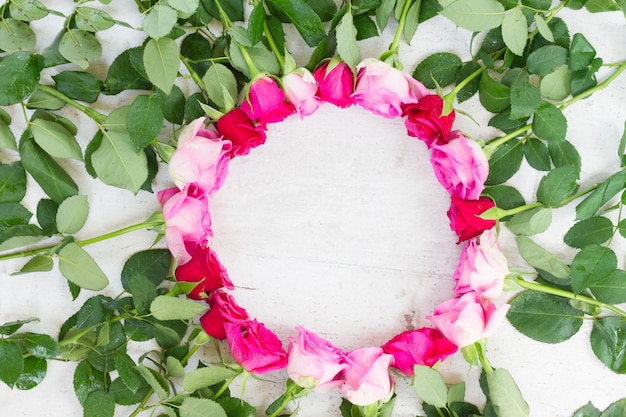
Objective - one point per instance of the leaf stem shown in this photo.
(224, 386)
(602, 85)
(274, 45)
(394, 46)
(91, 113)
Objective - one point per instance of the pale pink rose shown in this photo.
(482, 267)
(254, 347)
(187, 220)
(265, 102)
(461, 166)
(300, 90)
(367, 378)
(423, 346)
(314, 363)
(383, 89)
(201, 157)
(467, 319)
(335, 86)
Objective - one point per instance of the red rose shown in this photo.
(423, 346)
(425, 121)
(205, 269)
(238, 128)
(464, 217)
(336, 85)
(223, 310)
(254, 347)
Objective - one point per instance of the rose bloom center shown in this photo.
(337, 224)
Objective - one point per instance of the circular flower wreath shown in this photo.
(199, 167)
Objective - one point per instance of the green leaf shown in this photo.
(159, 21)
(41, 346)
(581, 53)
(505, 162)
(383, 12)
(72, 214)
(557, 186)
(152, 263)
(601, 195)
(99, 404)
(556, 85)
(143, 290)
(612, 288)
(11, 327)
(41, 99)
(91, 314)
(471, 88)
(12, 182)
(563, 153)
(123, 75)
(205, 377)
(543, 28)
(20, 235)
(256, 23)
(591, 265)
(505, 395)
(174, 308)
(594, 230)
(475, 15)
(12, 214)
(549, 123)
(438, 69)
(347, 48)
(546, 59)
(608, 342)
(161, 61)
(11, 362)
(221, 86)
(145, 119)
(156, 381)
(525, 98)
(304, 18)
(235, 407)
(27, 10)
(412, 21)
(617, 409)
(55, 139)
(92, 20)
(196, 407)
(33, 373)
(537, 155)
(19, 76)
(78, 85)
(585, 79)
(38, 263)
(494, 96)
(78, 267)
(620, 148)
(7, 139)
(79, 47)
(543, 260)
(16, 36)
(88, 380)
(515, 31)
(54, 181)
(430, 386)
(588, 410)
(530, 222)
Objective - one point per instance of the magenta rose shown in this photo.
(366, 378)
(314, 363)
(425, 122)
(467, 319)
(187, 220)
(241, 131)
(460, 166)
(335, 86)
(383, 89)
(265, 102)
(301, 91)
(206, 270)
(254, 347)
(223, 309)
(465, 218)
(482, 267)
(201, 158)
(423, 346)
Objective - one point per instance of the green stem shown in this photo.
(273, 45)
(224, 386)
(91, 113)
(465, 82)
(499, 141)
(534, 286)
(254, 71)
(602, 85)
(194, 75)
(483, 359)
(393, 48)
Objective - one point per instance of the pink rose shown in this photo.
(467, 319)
(465, 218)
(460, 166)
(314, 363)
(336, 85)
(205, 269)
(223, 309)
(482, 267)
(187, 220)
(367, 378)
(423, 346)
(254, 347)
(238, 128)
(300, 90)
(265, 102)
(425, 122)
(200, 158)
(382, 89)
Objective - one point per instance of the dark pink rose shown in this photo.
(238, 128)
(425, 122)
(205, 269)
(335, 86)
(187, 220)
(223, 309)
(423, 346)
(383, 89)
(265, 102)
(314, 363)
(301, 91)
(467, 319)
(367, 379)
(465, 218)
(461, 166)
(482, 267)
(254, 347)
